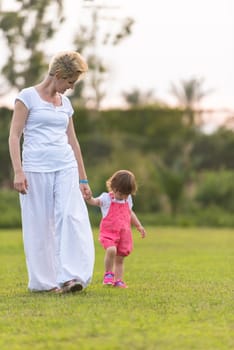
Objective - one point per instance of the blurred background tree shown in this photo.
(179, 168)
(137, 98)
(25, 31)
(189, 94)
(32, 24)
(88, 39)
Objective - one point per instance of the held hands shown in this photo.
(86, 191)
(20, 183)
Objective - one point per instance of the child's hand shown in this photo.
(142, 231)
(88, 197)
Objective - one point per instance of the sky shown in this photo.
(172, 40)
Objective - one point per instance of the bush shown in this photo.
(10, 209)
(216, 189)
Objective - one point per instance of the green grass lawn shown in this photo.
(180, 297)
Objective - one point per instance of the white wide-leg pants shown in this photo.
(58, 240)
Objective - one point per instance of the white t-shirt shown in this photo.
(105, 201)
(45, 145)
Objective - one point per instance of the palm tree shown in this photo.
(189, 94)
(137, 98)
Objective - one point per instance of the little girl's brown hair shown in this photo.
(123, 181)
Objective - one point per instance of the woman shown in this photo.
(52, 181)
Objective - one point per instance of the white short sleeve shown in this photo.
(105, 201)
(25, 97)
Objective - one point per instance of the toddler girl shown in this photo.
(115, 227)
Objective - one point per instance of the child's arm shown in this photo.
(135, 221)
(93, 201)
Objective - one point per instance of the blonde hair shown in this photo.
(68, 63)
(123, 181)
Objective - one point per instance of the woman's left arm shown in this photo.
(73, 141)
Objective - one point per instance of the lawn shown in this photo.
(180, 297)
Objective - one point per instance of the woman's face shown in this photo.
(63, 83)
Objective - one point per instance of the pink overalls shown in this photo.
(115, 228)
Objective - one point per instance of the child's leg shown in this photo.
(119, 267)
(110, 258)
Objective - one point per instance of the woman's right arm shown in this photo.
(19, 118)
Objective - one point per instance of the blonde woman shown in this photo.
(51, 179)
